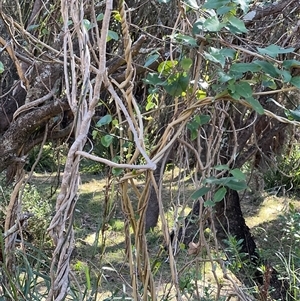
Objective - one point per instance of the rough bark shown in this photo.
(21, 130)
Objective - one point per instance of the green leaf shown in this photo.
(294, 114)
(104, 120)
(185, 39)
(198, 26)
(209, 203)
(213, 24)
(94, 134)
(286, 75)
(244, 67)
(215, 56)
(1, 67)
(274, 50)
(295, 81)
(112, 35)
(290, 63)
(167, 67)
(255, 104)
(106, 140)
(177, 84)
(87, 24)
(220, 194)
(214, 180)
(238, 174)
(117, 171)
(100, 17)
(191, 3)
(215, 4)
(153, 79)
(151, 59)
(244, 89)
(186, 63)
(267, 68)
(224, 77)
(200, 192)
(203, 119)
(238, 24)
(227, 52)
(235, 184)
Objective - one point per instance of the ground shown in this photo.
(100, 256)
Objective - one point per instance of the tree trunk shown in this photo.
(229, 222)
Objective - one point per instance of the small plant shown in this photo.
(285, 174)
(41, 209)
(290, 256)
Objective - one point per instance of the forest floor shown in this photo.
(100, 252)
(263, 213)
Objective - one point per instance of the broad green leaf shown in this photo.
(112, 35)
(215, 4)
(191, 3)
(224, 10)
(267, 68)
(106, 140)
(228, 52)
(167, 67)
(269, 83)
(209, 203)
(213, 24)
(238, 24)
(286, 75)
(224, 77)
(104, 120)
(244, 89)
(221, 167)
(177, 84)
(214, 180)
(153, 79)
(274, 50)
(100, 17)
(117, 15)
(200, 94)
(238, 174)
(236, 184)
(290, 63)
(219, 194)
(186, 64)
(200, 192)
(294, 114)
(87, 24)
(215, 55)
(117, 171)
(203, 119)
(1, 67)
(245, 67)
(198, 26)
(151, 59)
(255, 104)
(94, 134)
(295, 81)
(185, 39)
